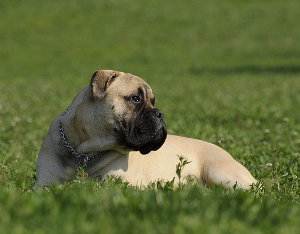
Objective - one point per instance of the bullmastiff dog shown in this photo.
(112, 128)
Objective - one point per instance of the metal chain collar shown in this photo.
(81, 159)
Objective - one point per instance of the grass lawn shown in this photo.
(227, 72)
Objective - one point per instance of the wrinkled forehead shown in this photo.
(127, 84)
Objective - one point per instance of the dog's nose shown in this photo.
(157, 113)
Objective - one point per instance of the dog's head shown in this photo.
(130, 104)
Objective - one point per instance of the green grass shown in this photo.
(223, 71)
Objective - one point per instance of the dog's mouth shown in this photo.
(145, 134)
(147, 143)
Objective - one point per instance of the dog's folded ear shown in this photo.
(100, 81)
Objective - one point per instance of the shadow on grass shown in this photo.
(247, 69)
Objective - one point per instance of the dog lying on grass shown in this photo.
(112, 128)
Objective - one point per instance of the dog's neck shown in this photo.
(89, 145)
(69, 120)
(81, 141)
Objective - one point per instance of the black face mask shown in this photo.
(147, 132)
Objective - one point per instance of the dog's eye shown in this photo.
(136, 99)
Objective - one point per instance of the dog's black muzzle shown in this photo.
(146, 133)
